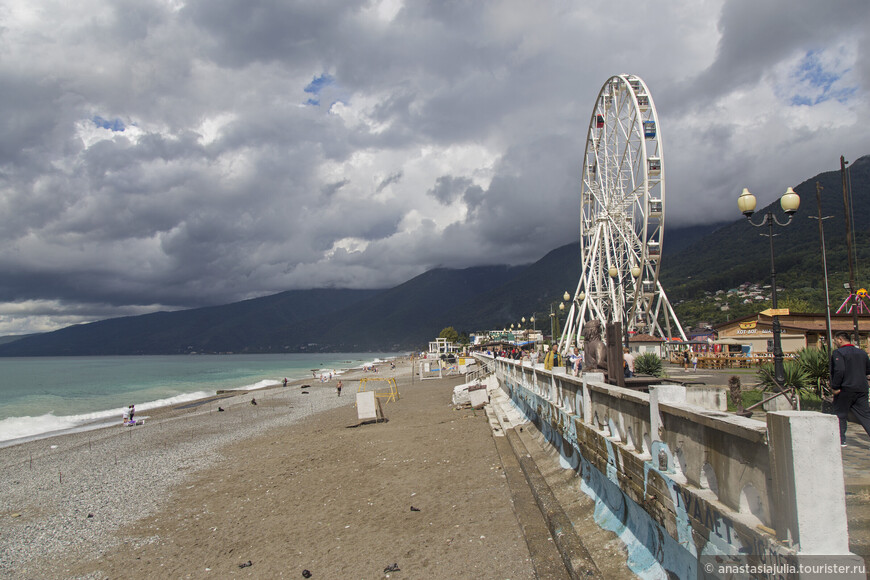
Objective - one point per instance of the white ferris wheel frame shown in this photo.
(622, 218)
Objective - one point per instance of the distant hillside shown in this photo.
(738, 252)
(697, 260)
(228, 328)
(677, 239)
(403, 317)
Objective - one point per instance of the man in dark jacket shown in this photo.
(850, 366)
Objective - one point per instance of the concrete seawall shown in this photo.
(687, 487)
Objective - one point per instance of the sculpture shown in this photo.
(595, 351)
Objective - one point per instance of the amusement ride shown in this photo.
(622, 219)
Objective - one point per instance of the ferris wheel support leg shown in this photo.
(568, 331)
(670, 309)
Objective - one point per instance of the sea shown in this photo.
(44, 396)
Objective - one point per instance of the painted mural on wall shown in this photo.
(666, 535)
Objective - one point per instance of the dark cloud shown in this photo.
(448, 188)
(159, 155)
(389, 180)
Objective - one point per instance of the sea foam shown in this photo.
(13, 428)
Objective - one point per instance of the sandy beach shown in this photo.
(290, 484)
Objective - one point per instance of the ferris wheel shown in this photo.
(622, 221)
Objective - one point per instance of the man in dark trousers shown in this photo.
(850, 366)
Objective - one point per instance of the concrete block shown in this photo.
(478, 398)
(808, 490)
(662, 394)
(366, 408)
(588, 377)
(714, 398)
(778, 404)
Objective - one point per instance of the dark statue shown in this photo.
(595, 359)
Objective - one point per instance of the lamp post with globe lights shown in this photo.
(554, 317)
(790, 201)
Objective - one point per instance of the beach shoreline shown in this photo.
(70, 493)
(36, 424)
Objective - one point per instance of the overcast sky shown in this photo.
(165, 154)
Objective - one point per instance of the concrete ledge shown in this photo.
(745, 428)
(619, 392)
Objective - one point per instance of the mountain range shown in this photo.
(696, 260)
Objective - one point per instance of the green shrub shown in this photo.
(815, 363)
(795, 375)
(649, 363)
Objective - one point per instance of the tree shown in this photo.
(450, 334)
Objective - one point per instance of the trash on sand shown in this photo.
(413, 509)
(391, 568)
(246, 564)
(306, 574)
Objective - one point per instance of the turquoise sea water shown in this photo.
(40, 395)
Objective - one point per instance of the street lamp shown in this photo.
(789, 203)
(554, 319)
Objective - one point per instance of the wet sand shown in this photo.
(291, 484)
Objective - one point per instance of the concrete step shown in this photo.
(568, 511)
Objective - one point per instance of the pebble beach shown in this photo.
(289, 484)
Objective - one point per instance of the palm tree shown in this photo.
(815, 363)
(795, 376)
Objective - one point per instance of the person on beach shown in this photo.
(285, 381)
(132, 412)
(338, 388)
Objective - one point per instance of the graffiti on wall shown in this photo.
(698, 528)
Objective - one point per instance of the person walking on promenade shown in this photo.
(628, 360)
(338, 388)
(850, 366)
(550, 359)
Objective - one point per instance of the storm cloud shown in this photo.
(166, 154)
